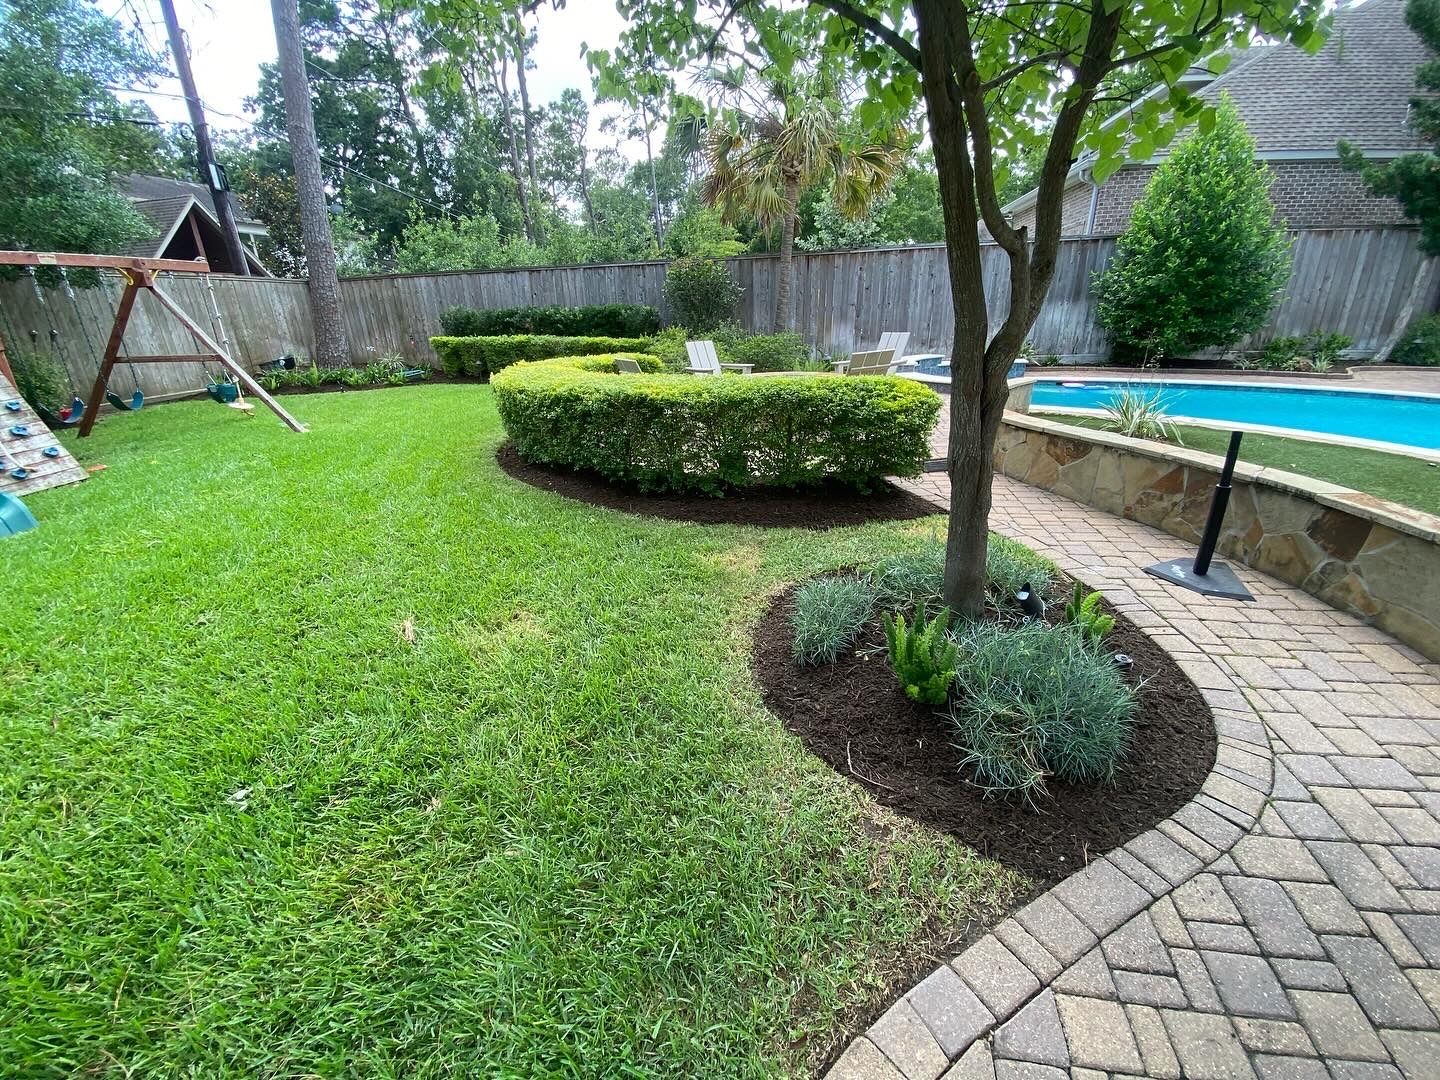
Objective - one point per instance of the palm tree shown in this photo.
(780, 140)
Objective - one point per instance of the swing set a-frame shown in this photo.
(139, 276)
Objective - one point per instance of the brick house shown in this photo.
(1297, 107)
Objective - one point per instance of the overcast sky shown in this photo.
(230, 39)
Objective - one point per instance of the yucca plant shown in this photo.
(1140, 414)
(1083, 612)
(921, 655)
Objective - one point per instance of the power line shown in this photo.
(286, 139)
(337, 164)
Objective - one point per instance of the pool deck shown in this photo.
(1283, 925)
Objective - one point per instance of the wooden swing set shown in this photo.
(139, 276)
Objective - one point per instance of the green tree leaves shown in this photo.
(1203, 259)
(64, 136)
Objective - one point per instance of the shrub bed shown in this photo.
(679, 433)
(596, 320)
(485, 355)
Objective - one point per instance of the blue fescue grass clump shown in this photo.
(829, 614)
(918, 576)
(1035, 701)
(1010, 565)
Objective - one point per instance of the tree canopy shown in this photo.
(64, 134)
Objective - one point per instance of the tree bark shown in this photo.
(785, 268)
(502, 86)
(979, 364)
(323, 283)
(972, 424)
(654, 182)
(527, 118)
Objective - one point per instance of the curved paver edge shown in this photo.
(966, 999)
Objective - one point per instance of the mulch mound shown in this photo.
(854, 715)
(825, 507)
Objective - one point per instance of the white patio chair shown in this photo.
(704, 361)
(875, 362)
(893, 342)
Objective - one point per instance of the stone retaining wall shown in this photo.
(1356, 552)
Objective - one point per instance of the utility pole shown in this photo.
(209, 174)
(331, 347)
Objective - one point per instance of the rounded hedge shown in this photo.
(664, 432)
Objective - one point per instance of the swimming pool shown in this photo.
(1405, 419)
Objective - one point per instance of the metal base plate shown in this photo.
(1220, 581)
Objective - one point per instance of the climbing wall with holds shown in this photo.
(31, 458)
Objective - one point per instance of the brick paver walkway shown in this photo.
(1284, 924)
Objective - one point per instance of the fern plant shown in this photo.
(921, 656)
(1083, 612)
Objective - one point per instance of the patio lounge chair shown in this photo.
(893, 342)
(875, 362)
(703, 360)
(626, 366)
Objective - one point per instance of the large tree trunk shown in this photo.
(654, 182)
(959, 123)
(331, 347)
(502, 86)
(526, 116)
(785, 268)
(973, 422)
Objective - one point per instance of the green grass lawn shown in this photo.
(343, 753)
(1405, 480)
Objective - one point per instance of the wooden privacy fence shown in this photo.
(1353, 281)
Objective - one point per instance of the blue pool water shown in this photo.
(938, 366)
(1410, 420)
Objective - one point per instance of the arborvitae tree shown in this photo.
(1414, 179)
(1203, 259)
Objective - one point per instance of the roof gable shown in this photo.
(1356, 88)
(140, 188)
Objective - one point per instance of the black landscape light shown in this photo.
(1204, 576)
(1031, 602)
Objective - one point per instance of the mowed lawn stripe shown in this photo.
(344, 752)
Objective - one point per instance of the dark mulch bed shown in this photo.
(854, 715)
(825, 507)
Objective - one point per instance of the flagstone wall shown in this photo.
(1356, 552)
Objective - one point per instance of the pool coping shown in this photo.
(1402, 519)
(1400, 449)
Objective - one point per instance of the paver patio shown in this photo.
(1283, 924)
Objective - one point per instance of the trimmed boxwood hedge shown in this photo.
(664, 432)
(594, 320)
(483, 356)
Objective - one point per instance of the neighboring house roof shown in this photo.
(1300, 106)
(166, 213)
(145, 189)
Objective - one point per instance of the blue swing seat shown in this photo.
(135, 404)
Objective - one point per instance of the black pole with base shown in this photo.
(1205, 576)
